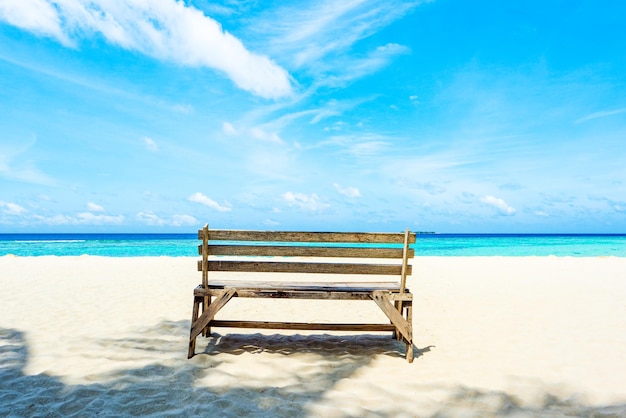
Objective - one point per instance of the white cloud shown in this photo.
(38, 16)
(499, 204)
(348, 191)
(55, 220)
(182, 108)
(271, 223)
(150, 144)
(92, 207)
(368, 148)
(427, 186)
(327, 27)
(229, 129)
(83, 218)
(318, 37)
(12, 208)
(184, 220)
(308, 202)
(207, 201)
(359, 67)
(15, 163)
(150, 218)
(164, 29)
(597, 115)
(259, 133)
(94, 219)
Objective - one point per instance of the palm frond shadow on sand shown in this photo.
(359, 347)
(215, 383)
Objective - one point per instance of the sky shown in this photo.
(446, 116)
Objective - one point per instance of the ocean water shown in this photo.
(185, 245)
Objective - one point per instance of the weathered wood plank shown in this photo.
(304, 285)
(335, 293)
(409, 344)
(293, 236)
(205, 254)
(194, 317)
(382, 300)
(295, 294)
(405, 261)
(303, 267)
(206, 317)
(309, 294)
(305, 251)
(302, 326)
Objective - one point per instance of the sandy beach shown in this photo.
(496, 336)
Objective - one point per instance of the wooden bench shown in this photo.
(253, 252)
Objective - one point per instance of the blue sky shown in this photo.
(446, 116)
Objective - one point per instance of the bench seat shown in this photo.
(302, 286)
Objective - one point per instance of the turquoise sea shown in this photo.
(185, 245)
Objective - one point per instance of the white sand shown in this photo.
(508, 336)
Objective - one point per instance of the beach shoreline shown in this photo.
(497, 336)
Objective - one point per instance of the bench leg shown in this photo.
(403, 327)
(194, 317)
(205, 306)
(409, 319)
(401, 306)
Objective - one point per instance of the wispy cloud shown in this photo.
(620, 207)
(319, 29)
(602, 114)
(150, 144)
(310, 202)
(208, 202)
(502, 207)
(93, 207)
(11, 208)
(357, 67)
(263, 132)
(229, 129)
(150, 218)
(316, 36)
(347, 191)
(429, 187)
(82, 218)
(259, 133)
(97, 219)
(166, 29)
(15, 166)
(182, 220)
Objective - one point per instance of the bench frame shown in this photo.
(286, 250)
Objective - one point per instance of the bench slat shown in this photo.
(303, 326)
(304, 251)
(296, 267)
(280, 285)
(298, 294)
(333, 294)
(287, 236)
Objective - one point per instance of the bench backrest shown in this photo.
(247, 246)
